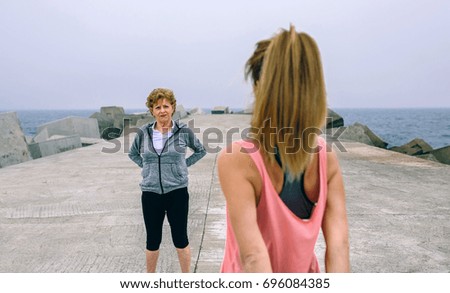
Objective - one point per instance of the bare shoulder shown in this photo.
(237, 170)
(230, 157)
(332, 163)
(233, 150)
(235, 157)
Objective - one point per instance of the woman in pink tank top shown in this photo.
(264, 233)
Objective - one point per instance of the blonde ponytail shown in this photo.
(290, 99)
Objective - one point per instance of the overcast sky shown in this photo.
(86, 54)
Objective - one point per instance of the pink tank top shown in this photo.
(290, 240)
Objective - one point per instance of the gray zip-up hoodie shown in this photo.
(162, 173)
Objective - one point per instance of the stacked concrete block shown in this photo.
(132, 119)
(220, 110)
(109, 117)
(415, 147)
(180, 113)
(333, 119)
(55, 145)
(354, 133)
(103, 121)
(13, 145)
(136, 119)
(41, 136)
(361, 133)
(196, 111)
(62, 135)
(115, 113)
(442, 154)
(146, 120)
(84, 127)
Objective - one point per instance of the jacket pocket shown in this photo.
(145, 171)
(150, 177)
(176, 170)
(174, 176)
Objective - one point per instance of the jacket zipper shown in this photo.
(159, 156)
(160, 177)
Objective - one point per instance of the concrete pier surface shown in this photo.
(80, 211)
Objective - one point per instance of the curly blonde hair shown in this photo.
(158, 94)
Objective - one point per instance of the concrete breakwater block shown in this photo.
(55, 145)
(112, 112)
(40, 136)
(143, 121)
(103, 121)
(84, 127)
(442, 154)
(111, 133)
(180, 112)
(361, 133)
(334, 119)
(415, 147)
(109, 116)
(220, 110)
(196, 111)
(13, 145)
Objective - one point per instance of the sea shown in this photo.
(394, 126)
(399, 126)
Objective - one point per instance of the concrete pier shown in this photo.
(80, 211)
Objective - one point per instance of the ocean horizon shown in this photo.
(396, 126)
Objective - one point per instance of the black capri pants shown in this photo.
(155, 206)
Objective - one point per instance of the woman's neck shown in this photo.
(164, 128)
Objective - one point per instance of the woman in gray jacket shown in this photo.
(159, 148)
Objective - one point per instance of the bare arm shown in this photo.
(334, 225)
(236, 173)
